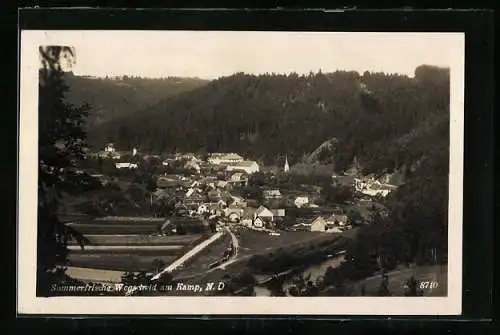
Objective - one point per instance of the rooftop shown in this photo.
(230, 155)
(244, 163)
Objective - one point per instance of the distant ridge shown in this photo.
(116, 97)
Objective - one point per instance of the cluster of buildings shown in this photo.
(333, 222)
(372, 187)
(366, 185)
(122, 158)
(233, 162)
(211, 193)
(208, 191)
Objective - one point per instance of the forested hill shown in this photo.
(116, 97)
(386, 121)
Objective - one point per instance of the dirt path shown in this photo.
(236, 247)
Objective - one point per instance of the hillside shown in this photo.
(117, 97)
(385, 120)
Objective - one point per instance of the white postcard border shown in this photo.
(28, 303)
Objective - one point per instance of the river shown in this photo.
(316, 271)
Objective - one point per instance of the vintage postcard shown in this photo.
(240, 172)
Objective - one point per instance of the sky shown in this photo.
(212, 54)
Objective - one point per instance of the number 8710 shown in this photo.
(429, 284)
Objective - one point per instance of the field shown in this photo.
(103, 228)
(255, 242)
(94, 275)
(132, 261)
(125, 245)
(132, 240)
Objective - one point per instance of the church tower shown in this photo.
(287, 167)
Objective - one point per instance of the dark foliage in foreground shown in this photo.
(62, 142)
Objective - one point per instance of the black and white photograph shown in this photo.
(223, 165)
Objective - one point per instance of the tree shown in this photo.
(339, 194)
(252, 192)
(276, 286)
(158, 265)
(202, 152)
(62, 142)
(151, 187)
(303, 287)
(383, 289)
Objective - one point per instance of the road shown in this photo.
(198, 248)
(236, 247)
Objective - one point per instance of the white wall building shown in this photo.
(110, 148)
(126, 166)
(373, 187)
(247, 166)
(224, 158)
(301, 201)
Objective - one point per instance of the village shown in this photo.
(192, 214)
(221, 187)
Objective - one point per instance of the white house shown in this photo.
(247, 166)
(202, 209)
(189, 192)
(126, 166)
(264, 212)
(224, 158)
(238, 177)
(341, 220)
(272, 194)
(110, 148)
(373, 187)
(248, 216)
(301, 201)
(258, 222)
(319, 224)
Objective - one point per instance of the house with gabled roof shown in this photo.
(263, 217)
(248, 216)
(320, 224)
(264, 212)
